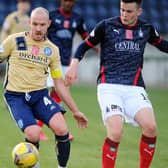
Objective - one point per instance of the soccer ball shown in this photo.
(25, 155)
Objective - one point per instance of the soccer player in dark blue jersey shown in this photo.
(121, 89)
(64, 23)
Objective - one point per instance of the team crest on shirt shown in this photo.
(74, 24)
(66, 24)
(48, 51)
(141, 33)
(129, 34)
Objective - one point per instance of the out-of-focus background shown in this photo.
(87, 145)
(156, 63)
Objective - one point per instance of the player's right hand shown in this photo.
(72, 73)
(81, 120)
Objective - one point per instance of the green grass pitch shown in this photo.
(87, 145)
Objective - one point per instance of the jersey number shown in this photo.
(46, 101)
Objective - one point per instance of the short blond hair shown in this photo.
(40, 10)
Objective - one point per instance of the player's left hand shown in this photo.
(81, 119)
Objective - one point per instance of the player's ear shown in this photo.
(49, 23)
(139, 11)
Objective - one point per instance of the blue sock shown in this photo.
(63, 148)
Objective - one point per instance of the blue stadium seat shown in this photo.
(3, 12)
(164, 4)
(79, 10)
(154, 13)
(101, 12)
(144, 14)
(90, 22)
(2, 6)
(89, 11)
(94, 10)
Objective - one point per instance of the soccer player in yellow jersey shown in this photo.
(17, 21)
(29, 54)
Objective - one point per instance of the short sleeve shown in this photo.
(55, 64)
(82, 29)
(7, 24)
(97, 33)
(6, 47)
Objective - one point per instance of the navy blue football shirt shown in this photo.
(62, 30)
(122, 49)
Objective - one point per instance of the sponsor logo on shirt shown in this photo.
(64, 34)
(33, 58)
(127, 46)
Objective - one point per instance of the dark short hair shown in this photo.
(23, 1)
(138, 2)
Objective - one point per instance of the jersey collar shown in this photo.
(64, 14)
(132, 25)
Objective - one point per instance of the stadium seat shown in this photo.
(94, 10)
(89, 11)
(101, 12)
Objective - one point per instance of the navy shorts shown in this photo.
(25, 108)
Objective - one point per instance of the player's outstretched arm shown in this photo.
(72, 73)
(65, 95)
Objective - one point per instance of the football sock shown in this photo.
(55, 97)
(36, 144)
(109, 153)
(37, 165)
(147, 149)
(62, 149)
(61, 167)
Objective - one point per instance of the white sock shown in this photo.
(61, 167)
(37, 165)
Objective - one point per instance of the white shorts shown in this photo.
(124, 100)
(50, 82)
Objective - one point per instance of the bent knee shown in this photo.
(32, 133)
